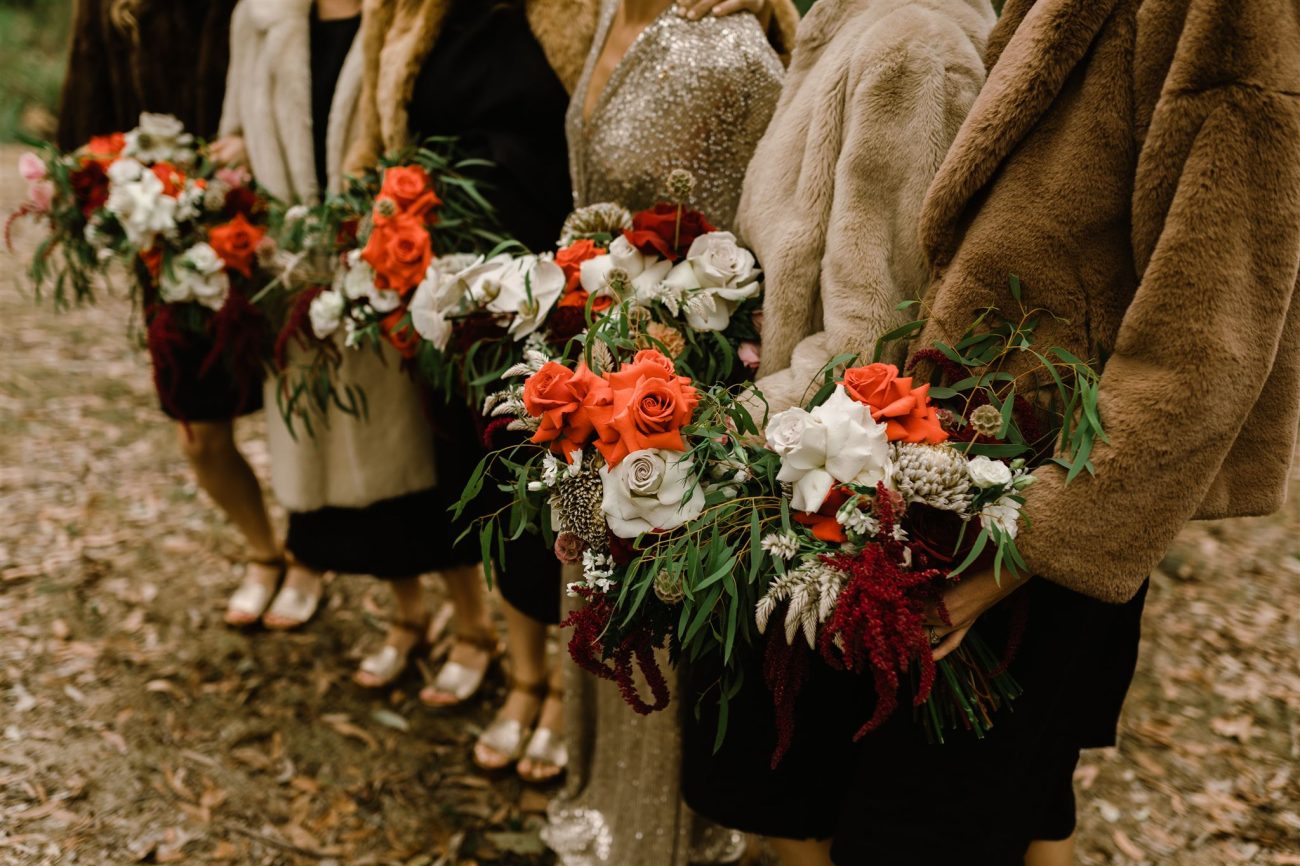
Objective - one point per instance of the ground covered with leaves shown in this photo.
(135, 727)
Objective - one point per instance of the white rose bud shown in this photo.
(986, 473)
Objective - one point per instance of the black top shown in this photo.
(487, 81)
(330, 42)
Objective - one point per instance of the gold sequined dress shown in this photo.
(697, 96)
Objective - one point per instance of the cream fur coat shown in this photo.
(875, 94)
(348, 462)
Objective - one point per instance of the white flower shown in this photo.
(529, 286)
(647, 491)
(189, 204)
(326, 313)
(296, 213)
(142, 209)
(1004, 514)
(597, 572)
(357, 282)
(838, 442)
(854, 519)
(781, 545)
(159, 138)
(986, 472)
(198, 274)
(550, 470)
(428, 321)
(124, 170)
(645, 272)
(716, 275)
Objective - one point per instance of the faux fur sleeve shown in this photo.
(902, 111)
(1198, 346)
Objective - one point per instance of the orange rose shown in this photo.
(104, 148)
(566, 402)
(401, 333)
(236, 242)
(824, 524)
(905, 410)
(400, 251)
(649, 408)
(172, 179)
(570, 260)
(578, 298)
(409, 188)
(152, 258)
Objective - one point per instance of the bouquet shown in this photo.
(189, 234)
(356, 270)
(844, 523)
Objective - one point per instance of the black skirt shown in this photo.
(984, 801)
(529, 576)
(190, 388)
(894, 799)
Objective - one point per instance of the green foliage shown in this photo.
(33, 54)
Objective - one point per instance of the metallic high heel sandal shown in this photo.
(249, 602)
(382, 668)
(545, 748)
(292, 607)
(507, 738)
(457, 683)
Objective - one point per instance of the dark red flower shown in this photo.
(667, 229)
(90, 186)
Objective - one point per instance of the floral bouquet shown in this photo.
(189, 234)
(662, 278)
(356, 270)
(844, 523)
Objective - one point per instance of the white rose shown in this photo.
(142, 210)
(838, 442)
(174, 287)
(124, 170)
(720, 262)
(206, 273)
(986, 472)
(647, 491)
(326, 313)
(358, 279)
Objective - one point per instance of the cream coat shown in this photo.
(347, 462)
(875, 93)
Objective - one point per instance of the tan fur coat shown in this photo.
(1137, 164)
(398, 35)
(875, 93)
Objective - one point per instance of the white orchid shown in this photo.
(529, 287)
(159, 138)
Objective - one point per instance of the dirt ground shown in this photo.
(134, 727)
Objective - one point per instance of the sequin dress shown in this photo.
(688, 94)
(697, 96)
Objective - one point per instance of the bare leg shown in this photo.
(300, 592)
(526, 649)
(405, 630)
(1055, 853)
(225, 475)
(473, 624)
(802, 852)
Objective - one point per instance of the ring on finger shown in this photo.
(933, 634)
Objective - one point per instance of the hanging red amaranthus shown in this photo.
(785, 670)
(237, 331)
(635, 650)
(165, 337)
(878, 623)
(297, 324)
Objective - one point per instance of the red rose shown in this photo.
(905, 410)
(173, 180)
(153, 259)
(409, 188)
(240, 200)
(570, 260)
(236, 242)
(659, 359)
(667, 229)
(90, 186)
(400, 251)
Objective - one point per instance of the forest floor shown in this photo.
(135, 727)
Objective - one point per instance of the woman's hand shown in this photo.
(697, 9)
(228, 150)
(964, 603)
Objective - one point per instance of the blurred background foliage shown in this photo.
(33, 50)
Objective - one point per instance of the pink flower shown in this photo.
(40, 194)
(233, 177)
(749, 353)
(31, 167)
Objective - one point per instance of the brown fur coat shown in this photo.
(397, 36)
(167, 56)
(875, 93)
(1137, 164)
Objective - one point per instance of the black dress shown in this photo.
(488, 83)
(393, 538)
(894, 799)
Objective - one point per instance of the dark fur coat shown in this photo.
(166, 56)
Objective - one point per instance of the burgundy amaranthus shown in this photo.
(297, 323)
(635, 650)
(878, 623)
(785, 669)
(165, 338)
